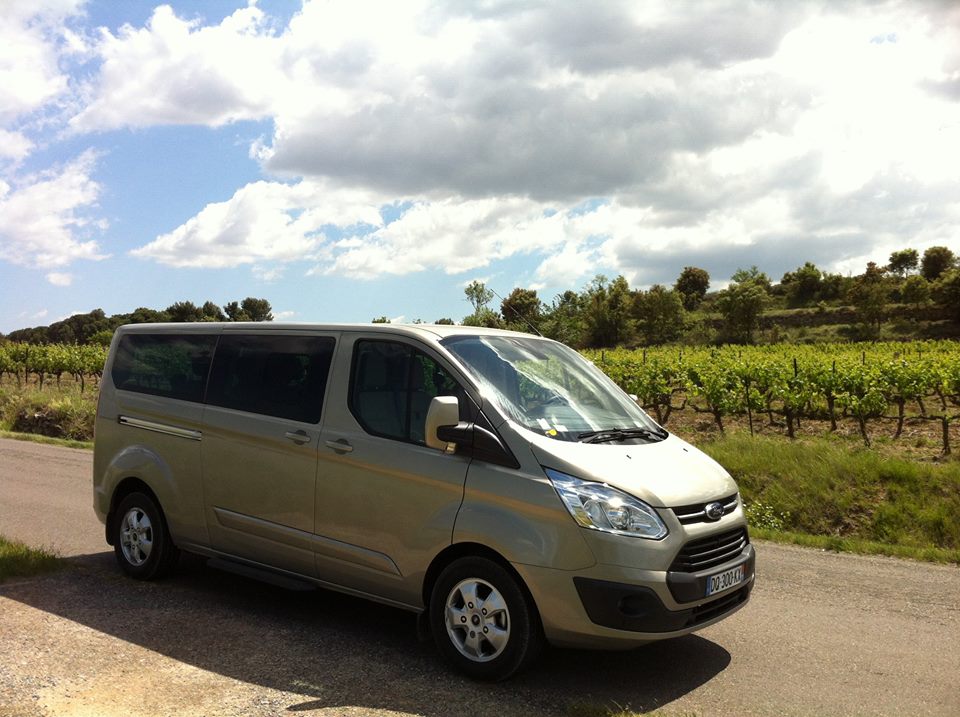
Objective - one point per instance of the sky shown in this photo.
(348, 159)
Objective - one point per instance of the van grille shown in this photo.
(688, 514)
(706, 553)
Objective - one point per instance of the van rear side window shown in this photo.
(281, 376)
(163, 364)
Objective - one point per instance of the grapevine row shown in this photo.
(862, 383)
(44, 361)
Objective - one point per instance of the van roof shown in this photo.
(435, 331)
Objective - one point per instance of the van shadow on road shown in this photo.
(337, 651)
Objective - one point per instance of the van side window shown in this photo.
(391, 387)
(281, 376)
(174, 366)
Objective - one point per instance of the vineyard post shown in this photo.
(746, 388)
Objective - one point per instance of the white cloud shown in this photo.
(730, 133)
(44, 219)
(30, 38)
(263, 221)
(59, 278)
(14, 146)
(176, 71)
(283, 315)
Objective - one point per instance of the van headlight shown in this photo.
(600, 507)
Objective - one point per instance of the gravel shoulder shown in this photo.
(824, 634)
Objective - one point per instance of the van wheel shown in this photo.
(482, 620)
(141, 540)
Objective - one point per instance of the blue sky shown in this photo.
(347, 160)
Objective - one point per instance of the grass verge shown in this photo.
(860, 547)
(826, 493)
(19, 560)
(35, 438)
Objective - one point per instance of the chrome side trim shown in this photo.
(160, 428)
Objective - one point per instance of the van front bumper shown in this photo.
(612, 607)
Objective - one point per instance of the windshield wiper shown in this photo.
(608, 435)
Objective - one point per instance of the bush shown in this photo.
(49, 413)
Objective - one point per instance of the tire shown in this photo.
(483, 621)
(141, 540)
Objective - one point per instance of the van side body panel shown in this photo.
(167, 462)
(385, 508)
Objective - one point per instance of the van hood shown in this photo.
(665, 474)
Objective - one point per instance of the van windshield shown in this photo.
(551, 389)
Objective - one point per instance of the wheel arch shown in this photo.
(468, 550)
(128, 485)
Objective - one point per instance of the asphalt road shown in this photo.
(824, 634)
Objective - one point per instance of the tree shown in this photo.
(803, 285)
(249, 309)
(212, 312)
(485, 317)
(234, 312)
(903, 262)
(521, 310)
(741, 276)
(444, 322)
(381, 320)
(184, 311)
(870, 294)
(692, 285)
(257, 309)
(947, 292)
(607, 313)
(143, 315)
(563, 320)
(915, 290)
(936, 260)
(660, 314)
(742, 303)
(478, 295)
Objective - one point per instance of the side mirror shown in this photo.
(443, 411)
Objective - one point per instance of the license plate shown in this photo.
(725, 580)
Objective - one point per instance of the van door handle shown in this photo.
(341, 445)
(298, 437)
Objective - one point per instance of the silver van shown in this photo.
(496, 483)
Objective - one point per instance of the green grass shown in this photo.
(860, 547)
(34, 438)
(56, 412)
(830, 494)
(18, 560)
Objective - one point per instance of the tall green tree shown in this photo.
(212, 312)
(608, 309)
(521, 310)
(181, 311)
(870, 294)
(692, 285)
(563, 319)
(936, 260)
(903, 262)
(659, 314)
(915, 290)
(478, 295)
(947, 292)
(741, 304)
(803, 285)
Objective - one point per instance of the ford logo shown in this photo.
(714, 511)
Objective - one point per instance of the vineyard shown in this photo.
(862, 383)
(40, 363)
(896, 383)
